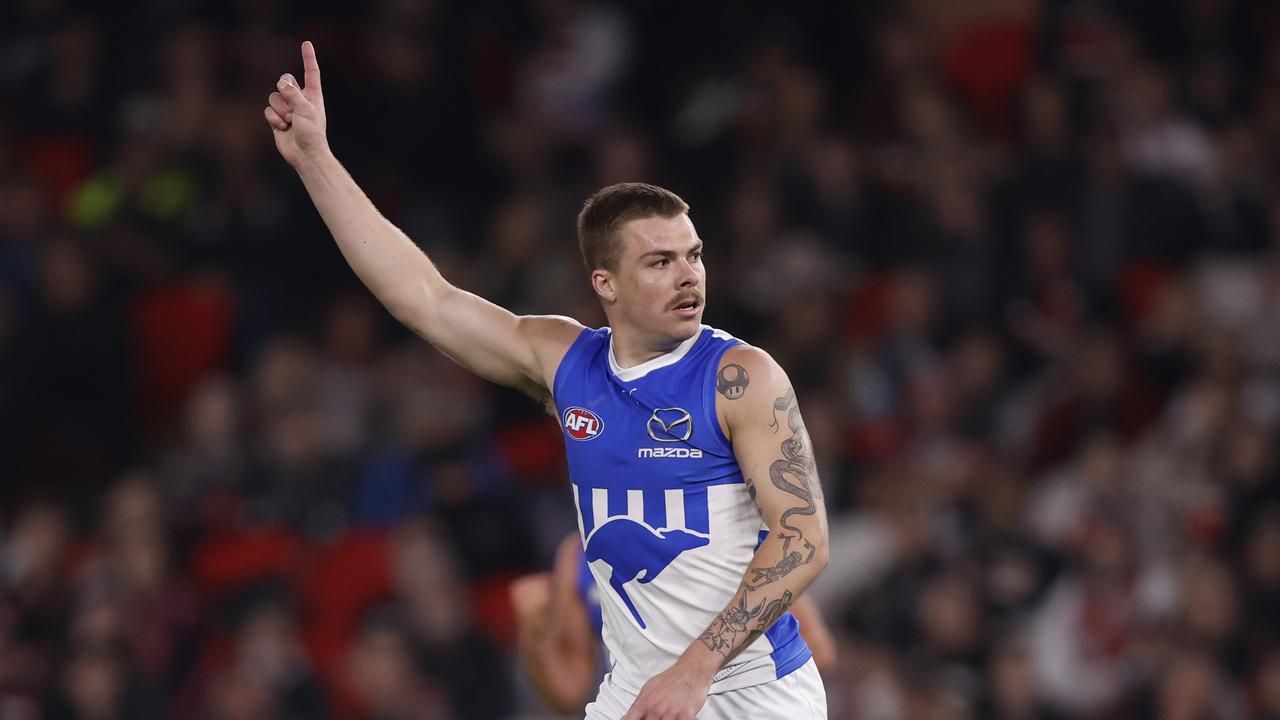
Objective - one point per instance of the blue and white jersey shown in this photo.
(667, 525)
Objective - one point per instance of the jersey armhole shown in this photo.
(570, 357)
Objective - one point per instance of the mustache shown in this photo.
(686, 297)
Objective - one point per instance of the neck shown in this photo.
(631, 349)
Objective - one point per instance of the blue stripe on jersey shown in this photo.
(617, 504)
(655, 508)
(696, 514)
(789, 649)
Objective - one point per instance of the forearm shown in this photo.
(782, 568)
(562, 678)
(560, 665)
(397, 272)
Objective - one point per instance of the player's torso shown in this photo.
(644, 443)
(667, 524)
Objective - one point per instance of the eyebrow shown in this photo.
(671, 253)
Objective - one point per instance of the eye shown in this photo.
(696, 255)
(661, 263)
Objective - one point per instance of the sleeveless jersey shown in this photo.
(667, 525)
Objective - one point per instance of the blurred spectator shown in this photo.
(1266, 684)
(269, 673)
(37, 595)
(209, 465)
(446, 642)
(74, 376)
(130, 594)
(1086, 637)
(1012, 693)
(96, 685)
(386, 676)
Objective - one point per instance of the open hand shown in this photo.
(296, 114)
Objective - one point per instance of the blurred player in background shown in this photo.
(699, 505)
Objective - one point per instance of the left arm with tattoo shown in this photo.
(762, 419)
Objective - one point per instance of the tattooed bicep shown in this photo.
(732, 381)
(768, 432)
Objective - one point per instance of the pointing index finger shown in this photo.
(310, 68)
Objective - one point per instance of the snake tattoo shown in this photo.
(793, 473)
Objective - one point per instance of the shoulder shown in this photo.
(550, 336)
(745, 368)
(552, 330)
(748, 384)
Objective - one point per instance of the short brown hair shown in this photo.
(606, 211)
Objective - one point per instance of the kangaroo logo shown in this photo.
(636, 551)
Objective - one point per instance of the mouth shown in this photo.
(688, 308)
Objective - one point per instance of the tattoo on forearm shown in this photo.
(731, 623)
(737, 620)
(732, 381)
(790, 561)
(774, 610)
(794, 473)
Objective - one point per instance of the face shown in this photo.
(659, 288)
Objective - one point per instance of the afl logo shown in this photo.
(582, 424)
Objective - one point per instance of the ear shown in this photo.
(602, 281)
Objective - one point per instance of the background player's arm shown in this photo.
(815, 632)
(555, 641)
(772, 447)
(520, 352)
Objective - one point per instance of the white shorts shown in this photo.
(798, 696)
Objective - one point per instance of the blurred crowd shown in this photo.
(1021, 260)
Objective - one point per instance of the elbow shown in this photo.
(415, 305)
(821, 555)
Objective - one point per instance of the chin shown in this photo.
(686, 327)
(673, 330)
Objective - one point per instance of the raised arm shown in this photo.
(517, 351)
(762, 419)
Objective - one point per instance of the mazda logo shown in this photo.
(670, 425)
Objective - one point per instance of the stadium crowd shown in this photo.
(1021, 260)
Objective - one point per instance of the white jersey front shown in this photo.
(667, 525)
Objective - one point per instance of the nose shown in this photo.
(688, 274)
